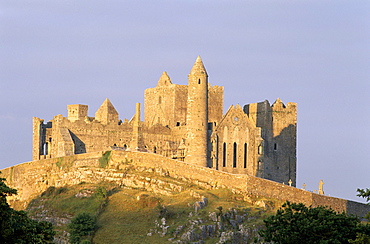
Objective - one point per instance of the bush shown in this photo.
(101, 192)
(81, 228)
(296, 223)
(48, 192)
(103, 160)
(164, 212)
(16, 226)
(53, 191)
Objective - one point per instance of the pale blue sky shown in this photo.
(314, 53)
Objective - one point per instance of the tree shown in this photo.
(16, 227)
(360, 239)
(364, 193)
(296, 223)
(81, 228)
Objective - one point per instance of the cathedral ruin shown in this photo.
(185, 123)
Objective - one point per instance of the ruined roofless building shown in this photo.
(186, 123)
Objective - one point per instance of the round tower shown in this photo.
(197, 115)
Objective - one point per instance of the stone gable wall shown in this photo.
(235, 128)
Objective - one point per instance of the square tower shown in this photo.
(77, 112)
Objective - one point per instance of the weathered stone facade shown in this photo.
(186, 123)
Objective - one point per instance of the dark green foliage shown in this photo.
(101, 192)
(360, 239)
(22, 229)
(53, 191)
(364, 193)
(296, 223)
(81, 228)
(48, 192)
(101, 195)
(16, 227)
(165, 212)
(60, 190)
(85, 242)
(103, 160)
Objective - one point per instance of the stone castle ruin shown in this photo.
(185, 123)
(184, 136)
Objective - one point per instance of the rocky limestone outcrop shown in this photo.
(235, 226)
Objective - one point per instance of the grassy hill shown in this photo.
(134, 215)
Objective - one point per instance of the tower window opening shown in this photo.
(224, 155)
(260, 149)
(259, 165)
(177, 123)
(199, 81)
(235, 154)
(45, 149)
(245, 154)
(275, 146)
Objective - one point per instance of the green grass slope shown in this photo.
(134, 215)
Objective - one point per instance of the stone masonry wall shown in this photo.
(279, 131)
(32, 178)
(246, 184)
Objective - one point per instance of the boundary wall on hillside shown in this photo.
(32, 178)
(244, 183)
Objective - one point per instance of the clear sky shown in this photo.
(314, 53)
